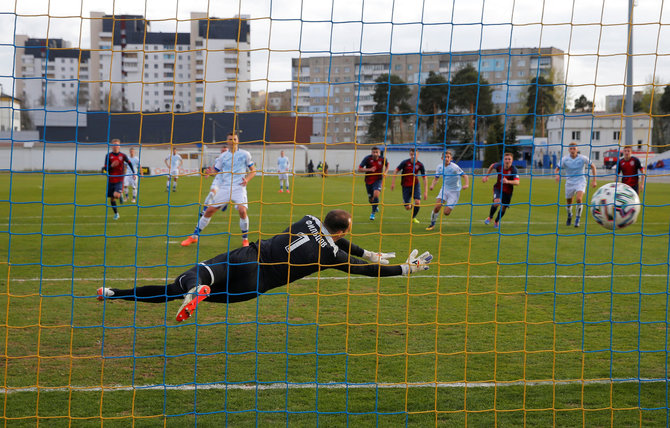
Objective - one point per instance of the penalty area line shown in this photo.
(334, 385)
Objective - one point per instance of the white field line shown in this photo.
(335, 385)
(352, 278)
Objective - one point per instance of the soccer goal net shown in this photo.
(176, 181)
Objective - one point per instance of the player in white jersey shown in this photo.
(576, 176)
(173, 162)
(236, 169)
(450, 191)
(216, 183)
(131, 180)
(283, 166)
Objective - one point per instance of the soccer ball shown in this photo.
(615, 206)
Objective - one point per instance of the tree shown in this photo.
(111, 103)
(433, 104)
(582, 104)
(470, 101)
(494, 141)
(540, 101)
(389, 106)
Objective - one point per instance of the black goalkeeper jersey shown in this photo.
(306, 247)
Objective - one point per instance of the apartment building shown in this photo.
(130, 68)
(337, 91)
(50, 73)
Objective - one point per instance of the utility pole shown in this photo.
(628, 110)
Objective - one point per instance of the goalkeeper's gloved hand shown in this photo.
(381, 258)
(415, 264)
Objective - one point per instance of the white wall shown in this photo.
(68, 157)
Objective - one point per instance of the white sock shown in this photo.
(202, 223)
(579, 210)
(433, 216)
(569, 208)
(244, 227)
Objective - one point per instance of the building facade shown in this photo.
(337, 91)
(10, 113)
(130, 68)
(595, 134)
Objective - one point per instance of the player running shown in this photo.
(283, 166)
(173, 162)
(216, 183)
(131, 180)
(508, 177)
(305, 247)
(114, 167)
(375, 167)
(631, 170)
(450, 191)
(575, 166)
(235, 169)
(411, 169)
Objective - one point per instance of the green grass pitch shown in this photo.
(522, 325)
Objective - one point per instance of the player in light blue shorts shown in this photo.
(451, 188)
(283, 165)
(576, 176)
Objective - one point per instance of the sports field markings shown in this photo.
(361, 278)
(335, 385)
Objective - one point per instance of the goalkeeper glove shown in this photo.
(415, 264)
(381, 258)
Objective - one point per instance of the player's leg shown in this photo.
(203, 222)
(174, 183)
(134, 180)
(579, 195)
(244, 224)
(570, 192)
(435, 214)
(416, 190)
(286, 180)
(494, 207)
(505, 200)
(168, 182)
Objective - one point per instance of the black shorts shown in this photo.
(505, 198)
(370, 188)
(232, 277)
(409, 191)
(114, 188)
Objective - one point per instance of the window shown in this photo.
(521, 63)
(410, 67)
(576, 135)
(597, 155)
(595, 135)
(347, 69)
(521, 74)
(398, 66)
(616, 135)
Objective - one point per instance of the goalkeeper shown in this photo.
(304, 248)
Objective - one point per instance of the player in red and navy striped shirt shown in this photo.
(375, 167)
(115, 174)
(628, 168)
(410, 169)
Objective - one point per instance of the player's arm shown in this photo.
(167, 162)
(485, 178)
(351, 265)
(106, 166)
(386, 166)
(362, 167)
(466, 181)
(643, 176)
(395, 175)
(251, 174)
(514, 181)
(557, 173)
(594, 174)
(127, 161)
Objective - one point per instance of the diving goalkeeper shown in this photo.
(304, 248)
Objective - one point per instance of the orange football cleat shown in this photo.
(188, 241)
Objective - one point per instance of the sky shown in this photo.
(593, 33)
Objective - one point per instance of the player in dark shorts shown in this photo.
(304, 248)
(375, 167)
(410, 170)
(631, 170)
(115, 174)
(508, 177)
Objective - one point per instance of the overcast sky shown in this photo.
(592, 32)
